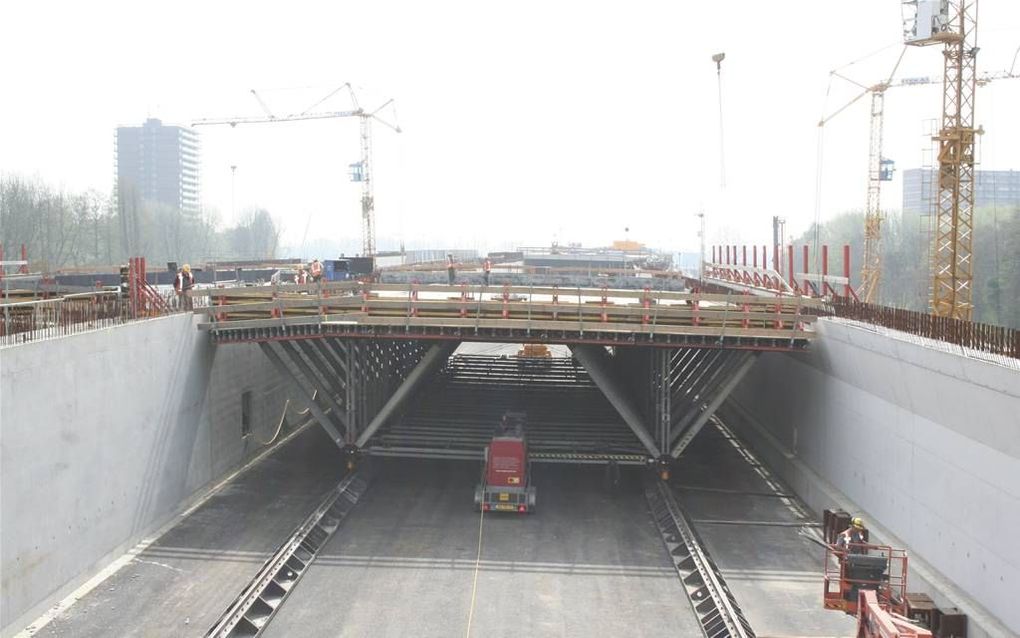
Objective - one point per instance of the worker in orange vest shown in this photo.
(486, 270)
(316, 269)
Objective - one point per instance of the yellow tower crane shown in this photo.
(359, 171)
(879, 170)
(952, 23)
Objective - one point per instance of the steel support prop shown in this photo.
(595, 360)
(708, 365)
(713, 405)
(315, 352)
(433, 359)
(319, 414)
(703, 392)
(290, 351)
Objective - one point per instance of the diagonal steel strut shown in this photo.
(302, 391)
(595, 360)
(713, 405)
(435, 357)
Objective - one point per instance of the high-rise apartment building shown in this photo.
(160, 164)
(991, 188)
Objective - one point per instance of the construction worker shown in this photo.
(316, 270)
(301, 277)
(183, 282)
(451, 268)
(486, 270)
(853, 538)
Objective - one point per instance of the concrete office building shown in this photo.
(992, 188)
(161, 163)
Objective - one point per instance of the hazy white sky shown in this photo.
(523, 122)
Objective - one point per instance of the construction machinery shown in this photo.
(869, 582)
(880, 170)
(360, 172)
(534, 351)
(506, 473)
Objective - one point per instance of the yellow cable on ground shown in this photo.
(478, 560)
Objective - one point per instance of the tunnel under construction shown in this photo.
(282, 454)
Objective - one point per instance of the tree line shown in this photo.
(906, 276)
(64, 229)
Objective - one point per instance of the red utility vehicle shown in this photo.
(506, 474)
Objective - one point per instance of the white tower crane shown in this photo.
(361, 171)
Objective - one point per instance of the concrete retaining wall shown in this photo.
(925, 443)
(103, 437)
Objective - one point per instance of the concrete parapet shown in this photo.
(106, 435)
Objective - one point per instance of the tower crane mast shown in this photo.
(952, 23)
(360, 171)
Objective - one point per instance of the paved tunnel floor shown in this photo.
(774, 571)
(588, 563)
(182, 583)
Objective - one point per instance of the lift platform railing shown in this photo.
(878, 568)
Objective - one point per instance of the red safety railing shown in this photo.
(146, 301)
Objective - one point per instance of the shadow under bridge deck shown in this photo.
(455, 414)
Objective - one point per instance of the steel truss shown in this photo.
(679, 390)
(346, 383)
(953, 276)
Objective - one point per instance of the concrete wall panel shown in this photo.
(104, 435)
(925, 442)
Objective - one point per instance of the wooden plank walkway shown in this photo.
(521, 313)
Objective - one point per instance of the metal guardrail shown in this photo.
(993, 340)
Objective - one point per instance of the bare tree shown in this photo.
(256, 235)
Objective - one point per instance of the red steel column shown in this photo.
(807, 285)
(789, 275)
(846, 269)
(825, 268)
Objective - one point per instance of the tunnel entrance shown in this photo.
(454, 414)
(586, 402)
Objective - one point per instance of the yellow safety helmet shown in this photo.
(187, 268)
(857, 522)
